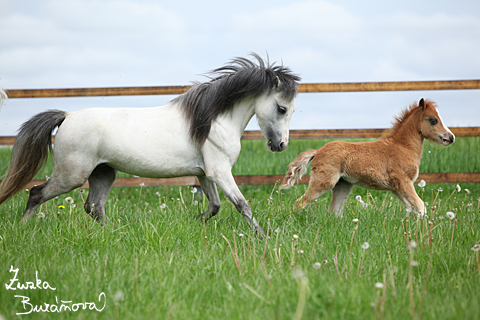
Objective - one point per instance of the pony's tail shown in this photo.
(297, 168)
(30, 151)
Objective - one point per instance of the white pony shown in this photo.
(198, 133)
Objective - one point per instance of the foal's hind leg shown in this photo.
(320, 183)
(210, 190)
(59, 183)
(339, 196)
(100, 183)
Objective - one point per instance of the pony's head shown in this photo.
(271, 90)
(274, 109)
(431, 124)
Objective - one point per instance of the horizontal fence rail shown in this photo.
(318, 134)
(252, 135)
(303, 88)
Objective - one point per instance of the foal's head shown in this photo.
(431, 125)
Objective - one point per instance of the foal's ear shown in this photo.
(278, 83)
(421, 104)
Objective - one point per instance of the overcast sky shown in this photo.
(83, 43)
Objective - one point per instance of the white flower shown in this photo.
(458, 188)
(365, 245)
(476, 247)
(355, 220)
(379, 285)
(163, 206)
(277, 230)
(450, 215)
(422, 183)
(194, 190)
(295, 237)
(317, 265)
(195, 203)
(41, 215)
(142, 184)
(364, 204)
(300, 251)
(440, 190)
(358, 198)
(69, 200)
(157, 193)
(467, 191)
(241, 235)
(119, 295)
(412, 245)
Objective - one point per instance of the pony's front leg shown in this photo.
(210, 190)
(226, 182)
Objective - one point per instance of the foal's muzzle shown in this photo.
(447, 138)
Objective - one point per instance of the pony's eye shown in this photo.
(433, 121)
(281, 109)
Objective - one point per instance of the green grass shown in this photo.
(155, 263)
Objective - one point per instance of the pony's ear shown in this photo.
(421, 104)
(278, 83)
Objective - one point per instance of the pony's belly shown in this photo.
(367, 182)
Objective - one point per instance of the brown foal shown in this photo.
(390, 163)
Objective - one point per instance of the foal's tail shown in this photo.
(30, 151)
(297, 168)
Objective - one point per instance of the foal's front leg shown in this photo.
(407, 194)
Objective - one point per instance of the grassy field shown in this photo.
(155, 261)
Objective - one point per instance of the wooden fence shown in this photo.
(294, 134)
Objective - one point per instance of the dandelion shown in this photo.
(358, 198)
(476, 247)
(364, 204)
(450, 215)
(61, 206)
(295, 237)
(195, 203)
(82, 190)
(300, 251)
(317, 265)
(467, 191)
(440, 190)
(157, 193)
(458, 188)
(163, 206)
(142, 184)
(355, 221)
(241, 235)
(422, 184)
(365, 245)
(379, 285)
(194, 190)
(118, 296)
(277, 230)
(412, 245)
(42, 215)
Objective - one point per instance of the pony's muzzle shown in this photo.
(277, 146)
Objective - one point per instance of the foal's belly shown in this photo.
(368, 182)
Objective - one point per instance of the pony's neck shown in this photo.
(241, 114)
(409, 136)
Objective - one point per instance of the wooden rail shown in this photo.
(319, 134)
(303, 88)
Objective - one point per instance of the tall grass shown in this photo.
(156, 261)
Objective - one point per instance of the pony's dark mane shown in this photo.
(405, 114)
(240, 79)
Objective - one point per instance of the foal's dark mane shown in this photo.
(240, 79)
(406, 113)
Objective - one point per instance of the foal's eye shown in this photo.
(281, 109)
(433, 121)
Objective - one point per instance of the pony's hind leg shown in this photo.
(100, 183)
(340, 194)
(210, 190)
(57, 184)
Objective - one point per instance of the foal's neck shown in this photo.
(410, 137)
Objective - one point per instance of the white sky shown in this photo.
(83, 43)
